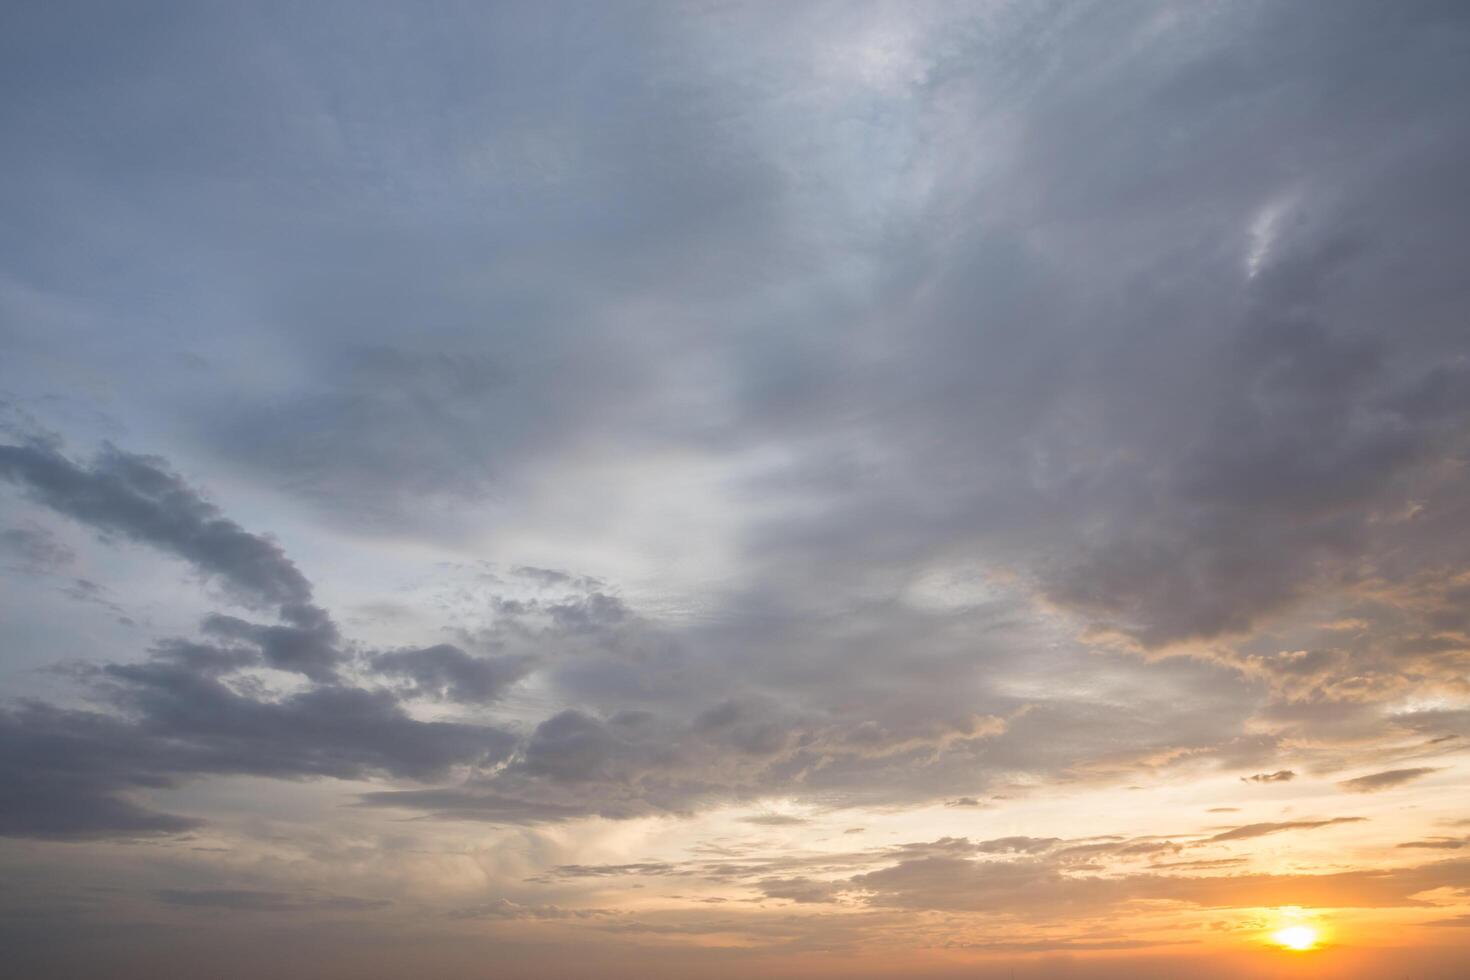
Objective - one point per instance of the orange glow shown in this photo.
(1299, 938)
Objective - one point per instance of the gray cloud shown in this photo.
(615, 870)
(1162, 483)
(941, 405)
(1389, 779)
(1280, 776)
(68, 773)
(1251, 830)
(246, 900)
(309, 646)
(139, 498)
(1198, 433)
(447, 673)
(504, 908)
(802, 891)
(35, 549)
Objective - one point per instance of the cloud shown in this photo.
(1155, 465)
(35, 549)
(447, 673)
(137, 497)
(1118, 441)
(614, 870)
(1389, 779)
(1037, 888)
(1454, 922)
(504, 908)
(1017, 845)
(802, 891)
(1060, 945)
(245, 900)
(1251, 830)
(1280, 776)
(309, 646)
(70, 773)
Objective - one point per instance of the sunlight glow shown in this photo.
(1295, 937)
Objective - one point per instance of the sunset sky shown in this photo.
(708, 489)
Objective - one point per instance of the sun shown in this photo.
(1295, 937)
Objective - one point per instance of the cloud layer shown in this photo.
(609, 477)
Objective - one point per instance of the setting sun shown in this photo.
(1295, 937)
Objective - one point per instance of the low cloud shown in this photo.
(504, 908)
(1280, 776)
(774, 820)
(70, 773)
(802, 891)
(1263, 829)
(245, 900)
(1033, 887)
(1389, 779)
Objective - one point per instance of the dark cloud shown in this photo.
(447, 673)
(137, 497)
(245, 900)
(1389, 779)
(1280, 776)
(66, 773)
(453, 803)
(69, 773)
(637, 762)
(309, 646)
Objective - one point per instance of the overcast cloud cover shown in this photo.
(694, 488)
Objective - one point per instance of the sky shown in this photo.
(508, 490)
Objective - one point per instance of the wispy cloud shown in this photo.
(1388, 779)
